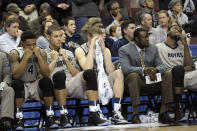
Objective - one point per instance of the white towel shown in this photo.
(104, 89)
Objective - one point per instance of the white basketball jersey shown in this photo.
(32, 70)
(60, 64)
(171, 56)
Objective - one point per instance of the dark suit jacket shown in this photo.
(130, 59)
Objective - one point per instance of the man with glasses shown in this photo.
(115, 17)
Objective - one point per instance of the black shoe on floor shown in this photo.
(179, 115)
(65, 121)
(20, 124)
(6, 123)
(97, 119)
(165, 119)
(117, 118)
(50, 122)
(136, 119)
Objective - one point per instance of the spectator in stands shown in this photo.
(63, 67)
(42, 41)
(189, 8)
(162, 28)
(140, 59)
(44, 13)
(14, 10)
(85, 57)
(176, 57)
(82, 10)
(115, 17)
(60, 9)
(6, 16)
(127, 28)
(146, 23)
(73, 41)
(115, 32)
(176, 11)
(45, 8)
(30, 74)
(29, 9)
(6, 94)
(11, 39)
(147, 6)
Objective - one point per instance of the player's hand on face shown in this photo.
(28, 53)
(93, 42)
(54, 55)
(119, 16)
(102, 44)
(19, 33)
(36, 51)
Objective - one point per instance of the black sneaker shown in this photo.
(117, 118)
(136, 119)
(6, 124)
(65, 121)
(97, 119)
(165, 119)
(50, 122)
(179, 115)
(20, 124)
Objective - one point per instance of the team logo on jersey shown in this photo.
(175, 55)
(60, 63)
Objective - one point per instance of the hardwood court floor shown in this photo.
(136, 127)
(169, 128)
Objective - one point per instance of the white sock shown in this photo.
(19, 115)
(63, 111)
(117, 106)
(98, 107)
(49, 112)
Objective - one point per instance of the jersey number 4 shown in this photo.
(30, 69)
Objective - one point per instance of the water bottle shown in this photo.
(143, 119)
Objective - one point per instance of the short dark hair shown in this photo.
(109, 5)
(137, 32)
(11, 21)
(27, 35)
(66, 20)
(42, 18)
(53, 28)
(125, 24)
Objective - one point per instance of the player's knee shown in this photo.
(178, 76)
(46, 85)
(91, 79)
(18, 86)
(59, 79)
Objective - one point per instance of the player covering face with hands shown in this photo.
(30, 74)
